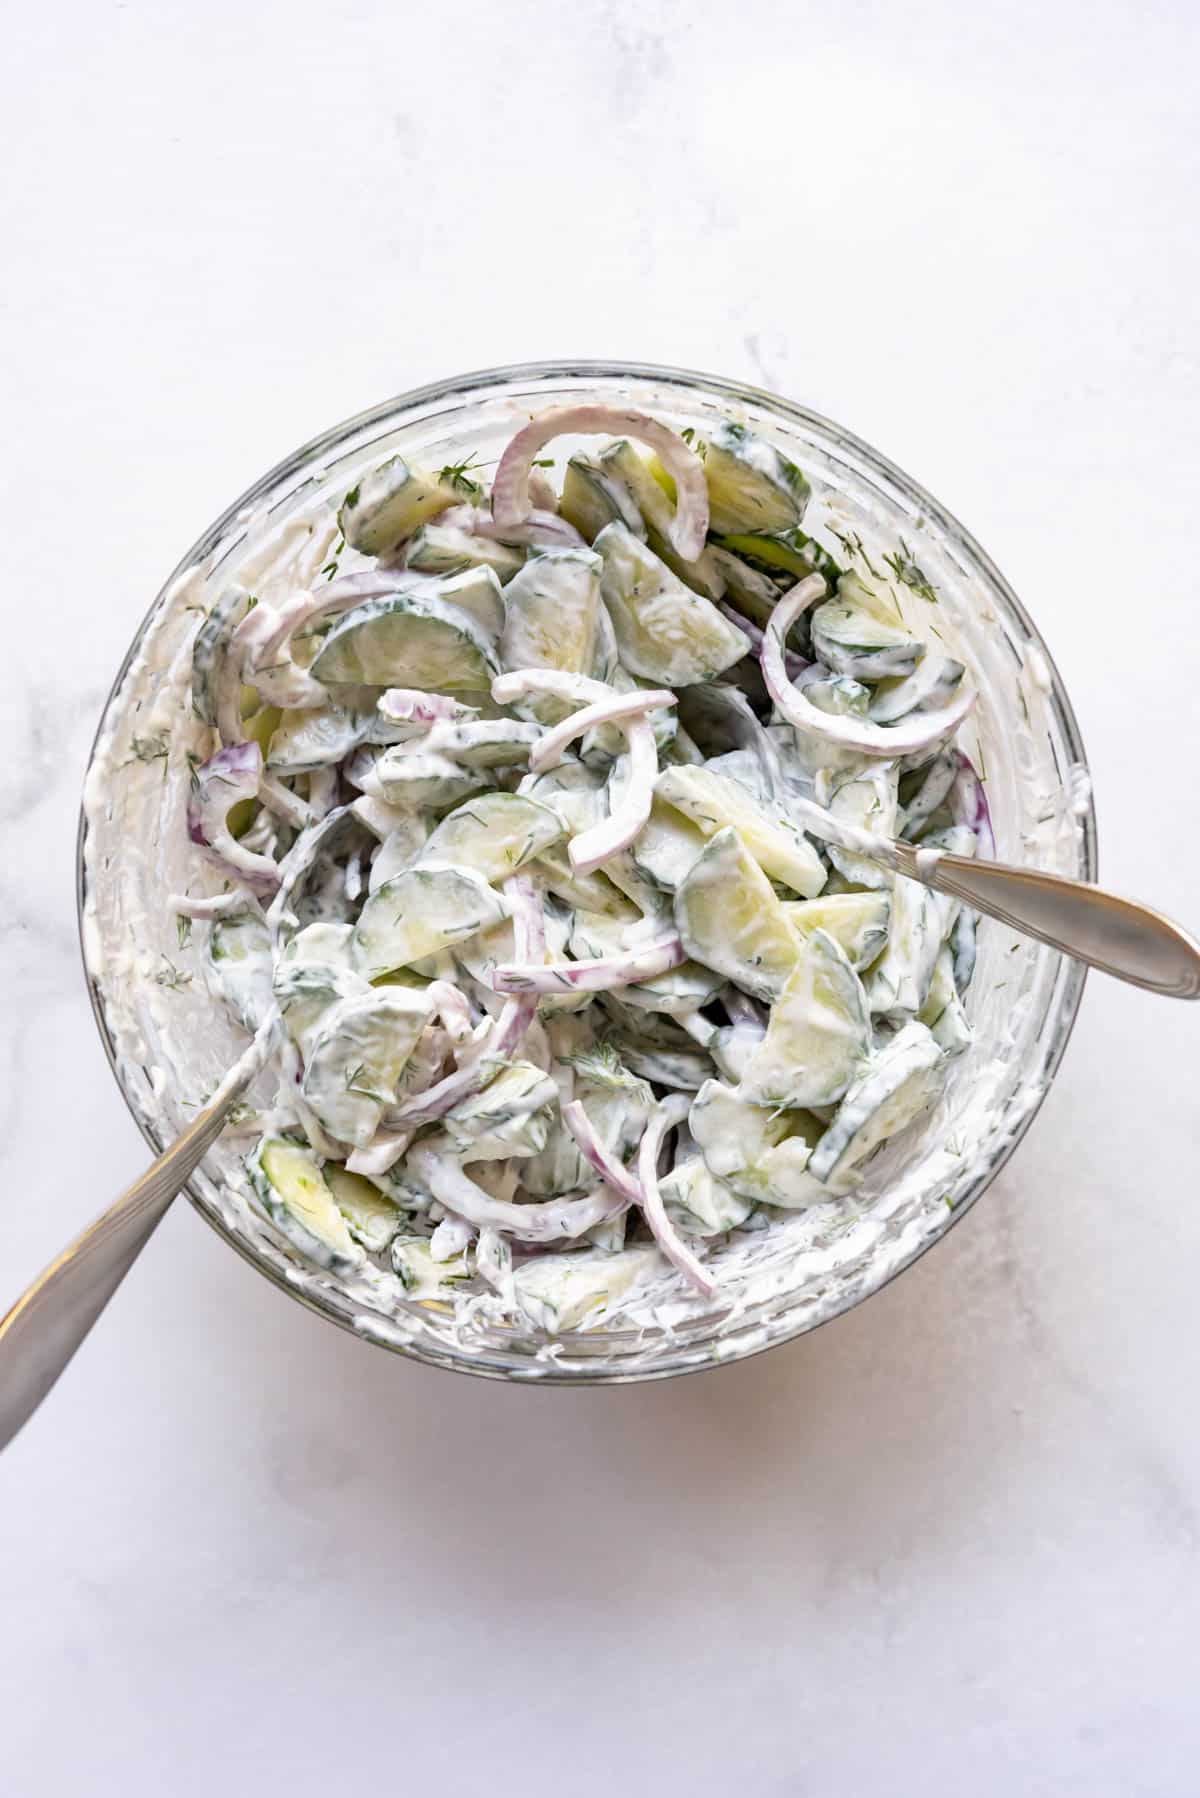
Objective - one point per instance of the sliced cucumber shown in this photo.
(371, 1217)
(477, 592)
(389, 504)
(293, 1192)
(790, 554)
(210, 648)
(867, 801)
(898, 985)
(447, 549)
(583, 892)
(564, 1292)
(667, 846)
(751, 591)
(425, 1280)
(239, 952)
(926, 791)
(356, 1057)
(420, 913)
(857, 922)
(683, 1070)
(752, 486)
(633, 470)
(698, 1204)
(962, 947)
(416, 779)
(665, 632)
(315, 971)
(729, 918)
(594, 495)
(761, 1155)
(398, 850)
(552, 607)
(494, 835)
(818, 1035)
(409, 639)
(712, 802)
(511, 1116)
(943, 1013)
(931, 685)
(320, 738)
(861, 631)
(895, 1087)
(486, 743)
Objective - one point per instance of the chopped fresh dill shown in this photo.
(149, 749)
(193, 762)
(904, 566)
(456, 474)
(351, 498)
(542, 462)
(171, 976)
(183, 929)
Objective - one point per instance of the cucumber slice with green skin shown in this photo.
(749, 589)
(552, 607)
(371, 1217)
(818, 1035)
(729, 918)
(211, 648)
(477, 592)
(484, 743)
(420, 913)
(594, 496)
(928, 792)
(962, 947)
(712, 802)
(893, 1089)
(752, 486)
(408, 639)
(788, 554)
(448, 549)
(239, 952)
(567, 1292)
(931, 685)
(389, 504)
(425, 1280)
(857, 922)
(495, 835)
(667, 846)
(398, 850)
(665, 632)
(868, 801)
(293, 1192)
(898, 985)
(314, 972)
(700, 1205)
(760, 1155)
(861, 631)
(320, 738)
(511, 1116)
(633, 470)
(683, 1070)
(943, 1013)
(582, 892)
(574, 791)
(356, 1056)
(417, 779)
(679, 993)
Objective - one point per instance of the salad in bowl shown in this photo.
(486, 783)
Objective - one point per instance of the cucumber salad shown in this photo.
(507, 811)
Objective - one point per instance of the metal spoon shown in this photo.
(1119, 936)
(52, 1317)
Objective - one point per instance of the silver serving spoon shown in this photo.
(1119, 936)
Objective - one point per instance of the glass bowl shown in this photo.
(168, 1041)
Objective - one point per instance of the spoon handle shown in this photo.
(52, 1317)
(1119, 936)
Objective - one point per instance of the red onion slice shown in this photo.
(670, 1114)
(548, 753)
(231, 775)
(537, 530)
(604, 975)
(968, 803)
(511, 503)
(917, 732)
(592, 848)
(551, 1219)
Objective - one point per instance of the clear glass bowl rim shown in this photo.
(1060, 1018)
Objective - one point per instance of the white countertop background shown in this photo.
(949, 1544)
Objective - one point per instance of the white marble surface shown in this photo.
(947, 1544)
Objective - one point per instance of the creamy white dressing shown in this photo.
(172, 1048)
